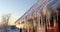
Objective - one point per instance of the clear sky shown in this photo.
(17, 7)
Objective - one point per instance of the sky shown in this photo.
(15, 7)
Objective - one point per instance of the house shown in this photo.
(43, 16)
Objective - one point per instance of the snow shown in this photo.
(10, 30)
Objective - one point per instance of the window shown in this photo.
(52, 22)
(40, 20)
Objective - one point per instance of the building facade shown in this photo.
(43, 16)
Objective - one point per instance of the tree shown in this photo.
(5, 20)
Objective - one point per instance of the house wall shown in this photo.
(42, 17)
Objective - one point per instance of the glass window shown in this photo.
(40, 20)
(52, 22)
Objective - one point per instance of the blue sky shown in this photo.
(17, 7)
